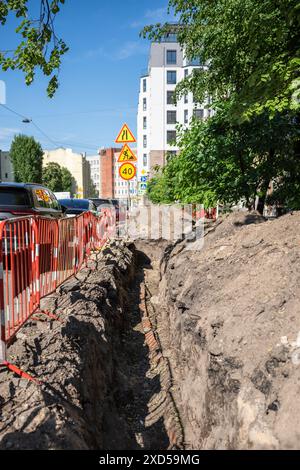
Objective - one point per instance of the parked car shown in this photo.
(23, 199)
(75, 207)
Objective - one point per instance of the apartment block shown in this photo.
(94, 162)
(6, 167)
(158, 114)
(78, 166)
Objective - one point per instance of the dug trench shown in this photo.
(167, 345)
(104, 383)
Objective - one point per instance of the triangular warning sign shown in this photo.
(127, 155)
(125, 136)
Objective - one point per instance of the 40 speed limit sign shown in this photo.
(127, 171)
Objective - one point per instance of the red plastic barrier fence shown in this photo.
(36, 256)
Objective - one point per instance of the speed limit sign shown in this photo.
(127, 171)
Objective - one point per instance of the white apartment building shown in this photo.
(123, 189)
(157, 114)
(94, 162)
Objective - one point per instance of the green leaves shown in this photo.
(39, 48)
(251, 47)
(27, 159)
(58, 178)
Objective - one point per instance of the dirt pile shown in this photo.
(229, 322)
(76, 358)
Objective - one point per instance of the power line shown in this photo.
(56, 143)
(14, 112)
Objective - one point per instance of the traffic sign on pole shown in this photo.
(125, 136)
(127, 155)
(127, 171)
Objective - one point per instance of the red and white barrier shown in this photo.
(38, 254)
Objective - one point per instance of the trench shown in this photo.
(144, 380)
(106, 383)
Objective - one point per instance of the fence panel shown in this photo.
(19, 275)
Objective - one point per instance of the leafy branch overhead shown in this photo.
(252, 48)
(39, 48)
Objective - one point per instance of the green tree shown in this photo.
(39, 47)
(58, 178)
(222, 160)
(52, 177)
(68, 182)
(27, 159)
(252, 48)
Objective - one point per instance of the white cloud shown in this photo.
(8, 132)
(130, 49)
(158, 15)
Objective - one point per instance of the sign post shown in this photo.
(127, 158)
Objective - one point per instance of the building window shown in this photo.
(186, 73)
(144, 104)
(186, 116)
(144, 141)
(171, 57)
(171, 137)
(171, 117)
(144, 85)
(199, 113)
(170, 97)
(186, 99)
(144, 122)
(171, 77)
(145, 159)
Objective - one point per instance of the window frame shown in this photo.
(173, 72)
(171, 113)
(171, 52)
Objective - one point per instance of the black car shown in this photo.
(24, 199)
(74, 207)
(100, 202)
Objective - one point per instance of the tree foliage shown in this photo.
(251, 49)
(27, 159)
(225, 161)
(57, 178)
(39, 48)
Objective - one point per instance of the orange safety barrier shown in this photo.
(38, 254)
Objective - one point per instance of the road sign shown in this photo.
(143, 186)
(125, 136)
(127, 171)
(144, 172)
(127, 155)
(143, 179)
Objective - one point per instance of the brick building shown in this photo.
(112, 185)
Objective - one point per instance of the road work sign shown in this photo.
(127, 171)
(125, 136)
(127, 155)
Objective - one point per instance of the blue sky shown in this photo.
(99, 78)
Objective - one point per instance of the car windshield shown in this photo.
(101, 202)
(75, 203)
(13, 197)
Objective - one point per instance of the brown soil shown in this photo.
(166, 346)
(229, 321)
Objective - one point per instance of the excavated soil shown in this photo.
(104, 386)
(228, 320)
(167, 346)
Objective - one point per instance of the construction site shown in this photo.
(176, 348)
